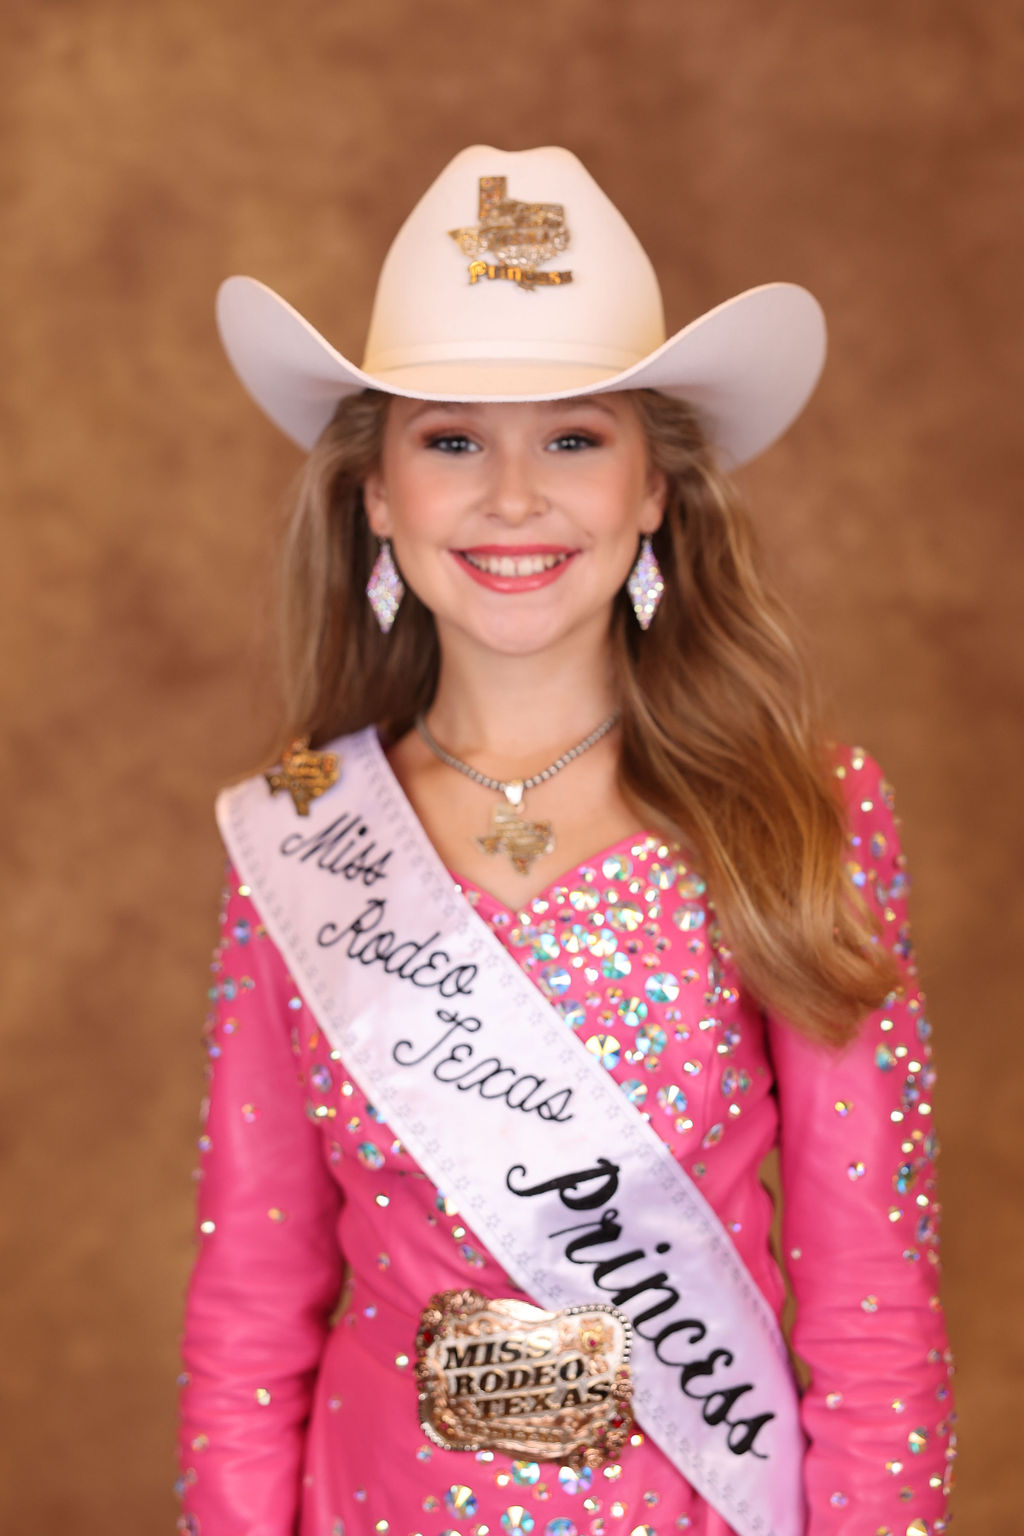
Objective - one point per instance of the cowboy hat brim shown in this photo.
(748, 367)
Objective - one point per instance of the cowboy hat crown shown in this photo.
(516, 278)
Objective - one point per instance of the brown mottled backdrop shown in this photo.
(871, 150)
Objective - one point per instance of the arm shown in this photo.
(268, 1269)
(860, 1232)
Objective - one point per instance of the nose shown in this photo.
(514, 492)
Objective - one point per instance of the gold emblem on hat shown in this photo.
(513, 238)
(503, 1375)
(303, 773)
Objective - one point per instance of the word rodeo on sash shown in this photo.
(570, 1190)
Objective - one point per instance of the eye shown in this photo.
(451, 442)
(572, 442)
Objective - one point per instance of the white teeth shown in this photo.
(514, 565)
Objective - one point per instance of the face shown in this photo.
(516, 524)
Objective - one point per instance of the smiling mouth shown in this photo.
(513, 565)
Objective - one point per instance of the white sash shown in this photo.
(508, 1113)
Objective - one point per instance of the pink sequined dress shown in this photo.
(299, 1415)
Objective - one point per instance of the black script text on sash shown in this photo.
(587, 1190)
(413, 961)
(487, 1074)
(341, 849)
(372, 945)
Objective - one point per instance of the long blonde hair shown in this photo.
(721, 750)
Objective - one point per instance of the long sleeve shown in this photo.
(860, 1231)
(268, 1270)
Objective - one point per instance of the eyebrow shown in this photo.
(579, 400)
(424, 406)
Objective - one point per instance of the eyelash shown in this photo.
(446, 441)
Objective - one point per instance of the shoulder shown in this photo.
(305, 772)
(874, 859)
(315, 798)
(859, 774)
(863, 787)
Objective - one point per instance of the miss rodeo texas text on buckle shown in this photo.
(503, 1375)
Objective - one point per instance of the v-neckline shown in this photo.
(482, 894)
(566, 878)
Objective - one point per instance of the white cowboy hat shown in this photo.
(515, 278)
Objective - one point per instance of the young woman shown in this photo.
(557, 914)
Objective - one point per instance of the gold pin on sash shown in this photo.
(503, 1375)
(304, 773)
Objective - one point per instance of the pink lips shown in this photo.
(529, 583)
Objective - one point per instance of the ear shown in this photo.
(375, 500)
(652, 508)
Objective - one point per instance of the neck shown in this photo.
(515, 710)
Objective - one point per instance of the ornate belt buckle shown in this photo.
(503, 1375)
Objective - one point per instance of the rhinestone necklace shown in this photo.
(512, 833)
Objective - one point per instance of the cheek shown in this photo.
(423, 528)
(419, 505)
(618, 506)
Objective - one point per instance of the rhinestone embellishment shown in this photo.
(385, 589)
(645, 585)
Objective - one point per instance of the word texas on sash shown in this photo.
(571, 1190)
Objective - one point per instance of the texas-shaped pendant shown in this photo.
(522, 841)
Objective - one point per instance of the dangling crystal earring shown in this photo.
(645, 584)
(385, 588)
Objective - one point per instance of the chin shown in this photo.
(524, 636)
